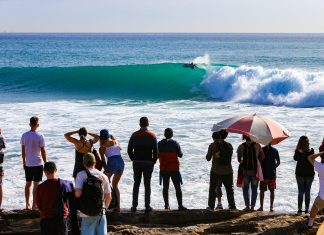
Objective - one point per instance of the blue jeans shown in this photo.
(176, 179)
(94, 225)
(250, 178)
(304, 187)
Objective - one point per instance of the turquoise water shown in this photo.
(270, 69)
(111, 80)
(146, 81)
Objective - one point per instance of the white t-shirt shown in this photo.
(33, 142)
(319, 167)
(82, 177)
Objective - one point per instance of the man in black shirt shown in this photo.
(142, 150)
(269, 165)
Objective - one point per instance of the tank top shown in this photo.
(113, 151)
(78, 165)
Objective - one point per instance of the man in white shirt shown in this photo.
(33, 155)
(319, 201)
(96, 224)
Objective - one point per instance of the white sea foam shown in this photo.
(191, 122)
(205, 60)
(289, 87)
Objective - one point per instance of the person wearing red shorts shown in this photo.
(269, 166)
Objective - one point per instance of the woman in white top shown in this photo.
(110, 148)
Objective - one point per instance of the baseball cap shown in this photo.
(104, 134)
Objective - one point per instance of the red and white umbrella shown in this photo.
(260, 129)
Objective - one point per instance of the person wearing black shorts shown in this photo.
(34, 173)
(33, 155)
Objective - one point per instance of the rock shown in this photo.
(177, 222)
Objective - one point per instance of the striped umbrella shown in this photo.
(260, 129)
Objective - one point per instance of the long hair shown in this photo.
(83, 133)
(303, 144)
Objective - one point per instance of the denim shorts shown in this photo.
(94, 225)
(115, 165)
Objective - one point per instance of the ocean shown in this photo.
(111, 80)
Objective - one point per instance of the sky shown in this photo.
(210, 16)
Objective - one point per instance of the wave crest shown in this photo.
(289, 87)
(168, 81)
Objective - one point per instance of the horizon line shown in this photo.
(24, 32)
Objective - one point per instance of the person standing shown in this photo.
(319, 201)
(321, 148)
(2, 147)
(92, 188)
(221, 172)
(82, 146)
(304, 172)
(53, 198)
(110, 148)
(248, 154)
(142, 150)
(33, 155)
(169, 151)
(269, 166)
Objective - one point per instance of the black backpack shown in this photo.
(91, 200)
(224, 158)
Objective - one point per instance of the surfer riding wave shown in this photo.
(190, 65)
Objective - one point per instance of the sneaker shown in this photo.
(306, 211)
(219, 206)
(148, 209)
(252, 208)
(182, 208)
(299, 211)
(167, 207)
(210, 209)
(232, 208)
(133, 209)
(246, 208)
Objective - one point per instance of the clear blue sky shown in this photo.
(283, 16)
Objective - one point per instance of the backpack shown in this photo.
(224, 157)
(91, 200)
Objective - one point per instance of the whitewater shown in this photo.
(110, 81)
